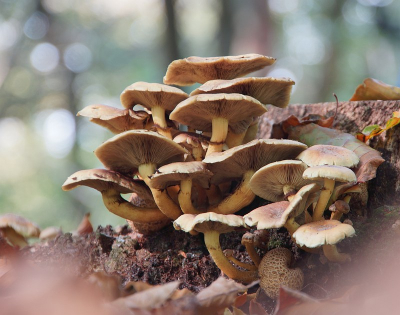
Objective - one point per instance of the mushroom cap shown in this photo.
(173, 173)
(274, 272)
(266, 90)
(324, 232)
(233, 163)
(50, 233)
(268, 182)
(323, 154)
(102, 180)
(152, 94)
(126, 151)
(199, 110)
(19, 224)
(341, 206)
(208, 221)
(199, 70)
(114, 119)
(333, 172)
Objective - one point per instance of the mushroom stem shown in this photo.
(332, 254)
(251, 133)
(185, 197)
(291, 225)
(197, 153)
(251, 250)
(119, 206)
(213, 194)
(219, 133)
(323, 200)
(211, 239)
(242, 264)
(234, 139)
(163, 201)
(241, 197)
(158, 114)
(13, 237)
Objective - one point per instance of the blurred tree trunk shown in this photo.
(225, 33)
(171, 33)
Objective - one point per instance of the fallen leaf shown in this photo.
(375, 130)
(85, 227)
(372, 89)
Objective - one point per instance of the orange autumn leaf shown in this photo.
(372, 89)
(375, 130)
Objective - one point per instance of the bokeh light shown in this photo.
(45, 57)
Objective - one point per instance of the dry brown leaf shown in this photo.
(85, 227)
(256, 308)
(372, 89)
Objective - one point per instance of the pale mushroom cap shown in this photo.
(199, 70)
(333, 172)
(323, 154)
(50, 233)
(233, 163)
(324, 232)
(274, 272)
(199, 110)
(303, 199)
(223, 223)
(268, 216)
(152, 94)
(171, 174)
(20, 225)
(268, 182)
(266, 90)
(102, 180)
(125, 152)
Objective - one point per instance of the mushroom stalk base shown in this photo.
(323, 200)
(332, 254)
(211, 238)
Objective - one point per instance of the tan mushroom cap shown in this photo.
(271, 181)
(125, 152)
(323, 154)
(200, 70)
(102, 180)
(50, 233)
(324, 232)
(199, 110)
(266, 90)
(209, 221)
(152, 94)
(274, 272)
(19, 224)
(332, 172)
(114, 119)
(233, 163)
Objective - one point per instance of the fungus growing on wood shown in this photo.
(15, 229)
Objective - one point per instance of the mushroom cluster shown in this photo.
(194, 159)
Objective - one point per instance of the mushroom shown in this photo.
(200, 70)
(159, 98)
(329, 174)
(217, 112)
(339, 208)
(184, 174)
(16, 229)
(242, 162)
(325, 233)
(266, 90)
(111, 185)
(116, 120)
(194, 143)
(275, 271)
(142, 152)
(50, 233)
(248, 240)
(212, 225)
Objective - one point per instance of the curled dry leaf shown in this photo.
(85, 227)
(372, 89)
(375, 130)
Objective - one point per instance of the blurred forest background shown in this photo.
(58, 56)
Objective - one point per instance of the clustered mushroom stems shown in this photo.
(158, 114)
(234, 139)
(219, 133)
(329, 185)
(332, 254)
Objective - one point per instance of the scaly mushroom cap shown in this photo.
(19, 224)
(271, 181)
(323, 154)
(333, 172)
(125, 152)
(266, 90)
(200, 70)
(173, 173)
(274, 272)
(152, 94)
(199, 110)
(324, 232)
(223, 223)
(114, 119)
(233, 163)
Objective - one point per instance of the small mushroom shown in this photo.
(50, 233)
(323, 154)
(16, 229)
(248, 240)
(339, 208)
(275, 271)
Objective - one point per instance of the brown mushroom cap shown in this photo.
(199, 110)
(125, 152)
(340, 206)
(333, 172)
(324, 232)
(173, 173)
(197, 69)
(152, 94)
(114, 119)
(19, 224)
(266, 90)
(323, 154)
(271, 181)
(233, 163)
(274, 272)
